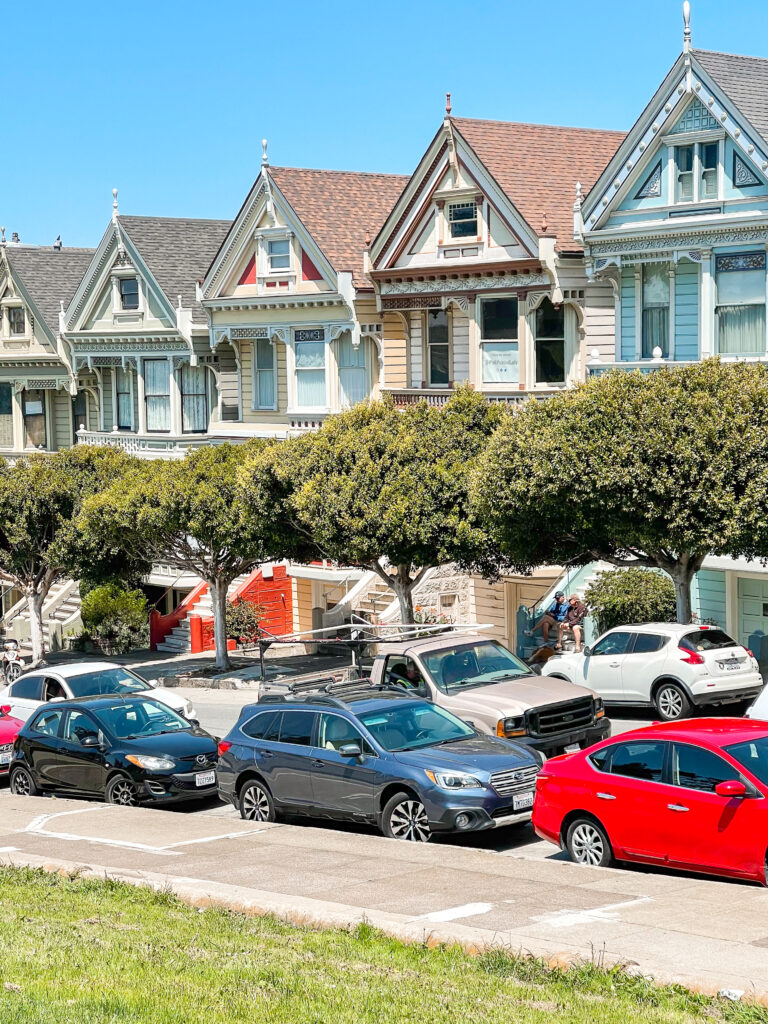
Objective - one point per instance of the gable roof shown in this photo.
(538, 165)
(338, 207)
(177, 251)
(744, 80)
(49, 276)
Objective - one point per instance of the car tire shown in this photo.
(120, 790)
(21, 782)
(405, 817)
(672, 703)
(256, 803)
(587, 843)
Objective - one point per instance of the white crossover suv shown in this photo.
(666, 665)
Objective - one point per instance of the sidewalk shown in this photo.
(706, 934)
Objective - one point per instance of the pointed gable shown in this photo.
(49, 277)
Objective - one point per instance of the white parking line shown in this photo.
(454, 913)
(570, 918)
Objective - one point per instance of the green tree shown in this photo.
(631, 595)
(652, 469)
(189, 514)
(387, 491)
(40, 540)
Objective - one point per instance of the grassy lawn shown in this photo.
(92, 952)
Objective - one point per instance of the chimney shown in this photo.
(57, 243)
(15, 237)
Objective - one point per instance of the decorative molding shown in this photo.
(739, 236)
(743, 176)
(462, 301)
(159, 347)
(472, 283)
(696, 119)
(651, 187)
(412, 302)
(740, 261)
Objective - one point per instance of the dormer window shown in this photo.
(696, 169)
(129, 293)
(708, 157)
(462, 220)
(684, 162)
(17, 322)
(279, 255)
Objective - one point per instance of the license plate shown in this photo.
(522, 800)
(205, 778)
(731, 666)
(5, 758)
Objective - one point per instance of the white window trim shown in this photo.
(294, 409)
(697, 142)
(262, 238)
(426, 347)
(569, 348)
(490, 386)
(714, 319)
(118, 312)
(367, 345)
(255, 407)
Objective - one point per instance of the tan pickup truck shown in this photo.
(481, 681)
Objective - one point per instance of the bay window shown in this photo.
(353, 372)
(740, 310)
(157, 394)
(550, 343)
(499, 340)
(33, 413)
(309, 352)
(263, 374)
(438, 348)
(194, 399)
(655, 309)
(6, 416)
(124, 412)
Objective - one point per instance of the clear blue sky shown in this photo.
(168, 101)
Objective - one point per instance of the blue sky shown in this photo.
(169, 101)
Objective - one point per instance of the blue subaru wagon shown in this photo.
(373, 755)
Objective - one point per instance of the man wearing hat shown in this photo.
(553, 616)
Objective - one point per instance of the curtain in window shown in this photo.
(655, 309)
(33, 410)
(194, 400)
(6, 416)
(157, 394)
(124, 402)
(353, 372)
(265, 374)
(310, 374)
(741, 312)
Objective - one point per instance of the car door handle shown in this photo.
(605, 796)
(266, 753)
(614, 664)
(677, 807)
(317, 763)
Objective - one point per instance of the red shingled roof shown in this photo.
(338, 207)
(538, 166)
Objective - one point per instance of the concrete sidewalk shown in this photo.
(702, 933)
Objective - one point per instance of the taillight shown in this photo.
(224, 746)
(749, 652)
(691, 657)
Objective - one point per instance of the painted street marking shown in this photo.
(454, 913)
(571, 918)
(8, 849)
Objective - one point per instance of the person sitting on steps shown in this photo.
(574, 620)
(553, 616)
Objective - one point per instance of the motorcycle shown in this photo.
(11, 661)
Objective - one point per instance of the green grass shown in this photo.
(90, 952)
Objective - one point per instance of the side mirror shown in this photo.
(5, 710)
(732, 789)
(350, 750)
(194, 722)
(587, 651)
(90, 740)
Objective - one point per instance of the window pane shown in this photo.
(639, 761)
(684, 158)
(194, 399)
(707, 640)
(439, 364)
(16, 319)
(48, 723)
(297, 727)
(550, 362)
(334, 732)
(647, 643)
(709, 155)
(279, 255)
(741, 330)
(348, 355)
(157, 391)
(753, 755)
(124, 399)
(79, 725)
(550, 320)
(129, 293)
(699, 769)
(741, 287)
(259, 727)
(462, 219)
(310, 388)
(310, 354)
(33, 410)
(265, 355)
(437, 327)
(279, 248)
(614, 643)
(655, 309)
(500, 363)
(600, 757)
(6, 416)
(499, 317)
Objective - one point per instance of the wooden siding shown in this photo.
(109, 414)
(687, 310)
(61, 405)
(708, 594)
(600, 321)
(395, 345)
(487, 604)
(628, 344)
(460, 342)
(417, 337)
(302, 604)
(228, 385)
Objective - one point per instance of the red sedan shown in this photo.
(689, 794)
(9, 727)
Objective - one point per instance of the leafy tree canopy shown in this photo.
(629, 596)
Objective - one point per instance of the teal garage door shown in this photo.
(753, 618)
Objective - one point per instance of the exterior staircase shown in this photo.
(61, 615)
(179, 640)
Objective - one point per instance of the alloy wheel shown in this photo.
(670, 702)
(21, 783)
(409, 821)
(587, 845)
(255, 804)
(124, 793)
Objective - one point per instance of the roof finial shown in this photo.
(2, 235)
(544, 223)
(367, 239)
(264, 157)
(686, 27)
(578, 192)
(448, 107)
(115, 210)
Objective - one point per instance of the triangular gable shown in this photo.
(688, 101)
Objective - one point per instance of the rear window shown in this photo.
(707, 640)
(639, 760)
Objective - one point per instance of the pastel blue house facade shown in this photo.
(678, 225)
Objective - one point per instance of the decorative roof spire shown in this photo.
(264, 157)
(544, 224)
(367, 239)
(2, 235)
(115, 210)
(448, 107)
(686, 27)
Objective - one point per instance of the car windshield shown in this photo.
(129, 719)
(707, 640)
(105, 682)
(410, 726)
(753, 754)
(474, 664)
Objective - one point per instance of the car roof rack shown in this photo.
(333, 693)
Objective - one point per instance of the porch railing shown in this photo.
(438, 397)
(148, 445)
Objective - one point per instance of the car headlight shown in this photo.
(454, 780)
(599, 707)
(153, 764)
(511, 726)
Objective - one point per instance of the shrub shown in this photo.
(117, 617)
(243, 621)
(631, 595)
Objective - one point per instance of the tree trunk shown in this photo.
(219, 598)
(682, 577)
(35, 601)
(402, 584)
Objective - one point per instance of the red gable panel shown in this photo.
(309, 271)
(249, 274)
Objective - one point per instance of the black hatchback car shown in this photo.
(127, 750)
